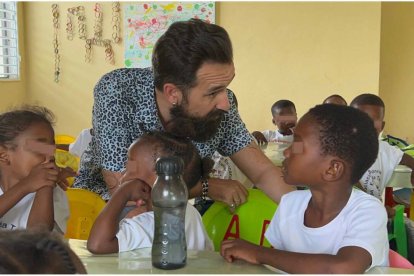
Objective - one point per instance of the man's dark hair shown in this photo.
(368, 99)
(184, 48)
(281, 104)
(349, 134)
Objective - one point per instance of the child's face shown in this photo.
(376, 113)
(34, 146)
(285, 119)
(303, 161)
(141, 164)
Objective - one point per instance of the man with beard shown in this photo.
(184, 93)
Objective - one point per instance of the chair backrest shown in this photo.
(64, 139)
(398, 261)
(398, 232)
(249, 222)
(84, 207)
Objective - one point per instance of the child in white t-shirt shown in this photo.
(28, 174)
(377, 176)
(330, 228)
(284, 117)
(136, 230)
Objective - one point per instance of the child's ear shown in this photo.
(273, 121)
(4, 155)
(383, 125)
(335, 170)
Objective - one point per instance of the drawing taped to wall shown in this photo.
(145, 22)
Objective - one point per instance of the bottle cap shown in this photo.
(169, 165)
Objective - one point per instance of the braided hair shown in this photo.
(166, 144)
(35, 251)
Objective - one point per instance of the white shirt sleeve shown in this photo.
(136, 232)
(81, 142)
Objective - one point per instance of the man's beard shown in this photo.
(198, 129)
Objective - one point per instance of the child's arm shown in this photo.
(409, 162)
(42, 212)
(40, 176)
(102, 238)
(349, 259)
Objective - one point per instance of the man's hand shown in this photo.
(231, 192)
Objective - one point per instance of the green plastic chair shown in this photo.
(409, 150)
(399, 233)
(249, 222)
(395, 141)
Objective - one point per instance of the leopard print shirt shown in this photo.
(124, 109)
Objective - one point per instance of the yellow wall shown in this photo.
(397, 63)
(300, 51)
(72, 98)
(13, 92)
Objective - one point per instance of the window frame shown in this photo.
(14, 14)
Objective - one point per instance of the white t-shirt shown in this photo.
(17, 216)
(362, 223)
(276, 136)
(138, 232)
(224, 168)
(377, 176)
(81, 142)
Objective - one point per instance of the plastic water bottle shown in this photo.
(169, 200)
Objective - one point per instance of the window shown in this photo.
(9, 51)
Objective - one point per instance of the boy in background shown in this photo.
(335, 99)
(285, 118)
(377, 176)
(330, 228)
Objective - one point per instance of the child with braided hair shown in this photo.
(136, 230)
(37, 251)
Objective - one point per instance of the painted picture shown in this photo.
(145, 22)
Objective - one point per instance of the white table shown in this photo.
(139, 262)
(198, 262)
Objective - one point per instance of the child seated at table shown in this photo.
(335, 99)
(284, 117)
(377, 176)
(136, 230)
(37, 252)
(28, 174)
(330, 228)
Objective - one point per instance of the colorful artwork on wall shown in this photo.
(145, 22)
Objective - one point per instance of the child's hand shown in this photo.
(64, 173)
(45, 174)
(261, 140)
(239, 249)
(136, 190)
